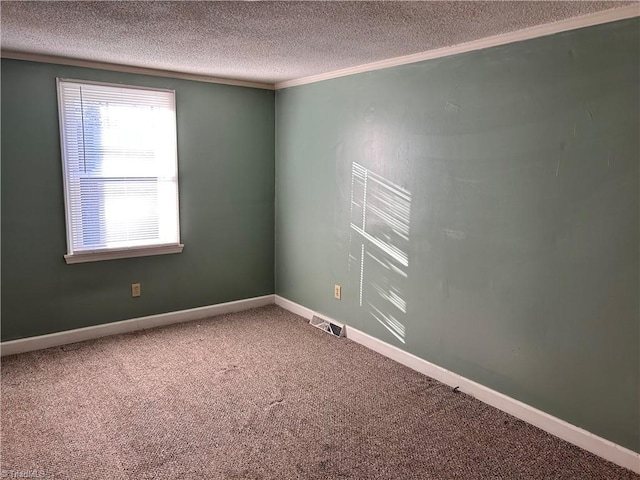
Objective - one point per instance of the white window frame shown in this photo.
(109, 253)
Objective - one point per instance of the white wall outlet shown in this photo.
(135, 289)
(337, 291)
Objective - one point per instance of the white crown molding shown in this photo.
(598, 18)
(34, 57)
(125, 326)
(577, 436)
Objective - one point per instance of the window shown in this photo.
(119, 160)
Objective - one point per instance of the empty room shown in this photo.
(320, 240)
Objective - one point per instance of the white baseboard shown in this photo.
(555, 426)
(564, 430)
(88, 333)
(293, 307)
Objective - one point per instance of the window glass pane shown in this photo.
(119, 156)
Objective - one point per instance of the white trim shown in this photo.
(537, 31)
(304, 312)
(88, 333)
(553, 425)
(564, 430)
(598, 18)
(124, 253)
(75, 62)
(119, 85)
(72, 189)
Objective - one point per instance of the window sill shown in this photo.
(123, 253)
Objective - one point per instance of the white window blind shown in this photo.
(120, 169)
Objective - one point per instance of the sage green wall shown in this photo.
(516, 170)
(226, 175)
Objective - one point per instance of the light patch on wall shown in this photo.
(380, 218)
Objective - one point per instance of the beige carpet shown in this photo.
(258, 395)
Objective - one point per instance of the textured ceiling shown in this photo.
(263, 41)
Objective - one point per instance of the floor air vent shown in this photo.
(328, 326)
